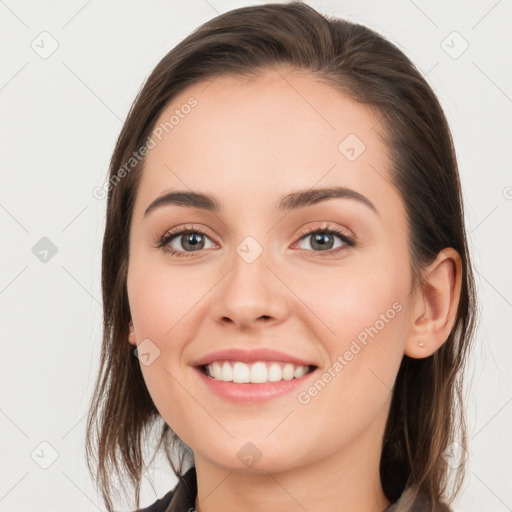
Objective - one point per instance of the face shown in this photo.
(322, 279)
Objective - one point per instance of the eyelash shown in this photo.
(348, 240)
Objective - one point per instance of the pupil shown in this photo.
(192, 241)
(319, 237)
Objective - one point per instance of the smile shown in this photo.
(252, 382)
(257, 373)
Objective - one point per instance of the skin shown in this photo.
(249, 143)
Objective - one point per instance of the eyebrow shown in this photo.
(292, 201)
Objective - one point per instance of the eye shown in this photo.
(323, 239)
(180, 242)
(185, 242)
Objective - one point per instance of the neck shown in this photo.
(346, 480)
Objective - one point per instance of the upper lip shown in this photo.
(250, 356)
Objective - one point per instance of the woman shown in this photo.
(287, 288)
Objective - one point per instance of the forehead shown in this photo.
(263, 136)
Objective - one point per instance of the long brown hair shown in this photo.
(426, 413)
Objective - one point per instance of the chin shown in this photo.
(254, 457)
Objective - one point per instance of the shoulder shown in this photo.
(181, 498)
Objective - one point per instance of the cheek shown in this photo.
(167, 307)
(162, 304)
(349, 301)
(367, 318)
(161, 299)
(363, 313)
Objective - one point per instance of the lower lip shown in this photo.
(251, 392)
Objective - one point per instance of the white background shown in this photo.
(60, 118)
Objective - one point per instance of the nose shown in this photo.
(251, 296)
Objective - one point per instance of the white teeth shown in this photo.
(217, 370)
(258, 372)
(227, 372)
(274, 373)
(288, 372)
(241, 373)
(300, 371)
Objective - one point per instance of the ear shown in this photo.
(435, 305)
(131, 335)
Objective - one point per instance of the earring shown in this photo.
(131, 334)
(420, 344)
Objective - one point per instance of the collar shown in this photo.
(184, 497)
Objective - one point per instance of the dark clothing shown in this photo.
(183, 497)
